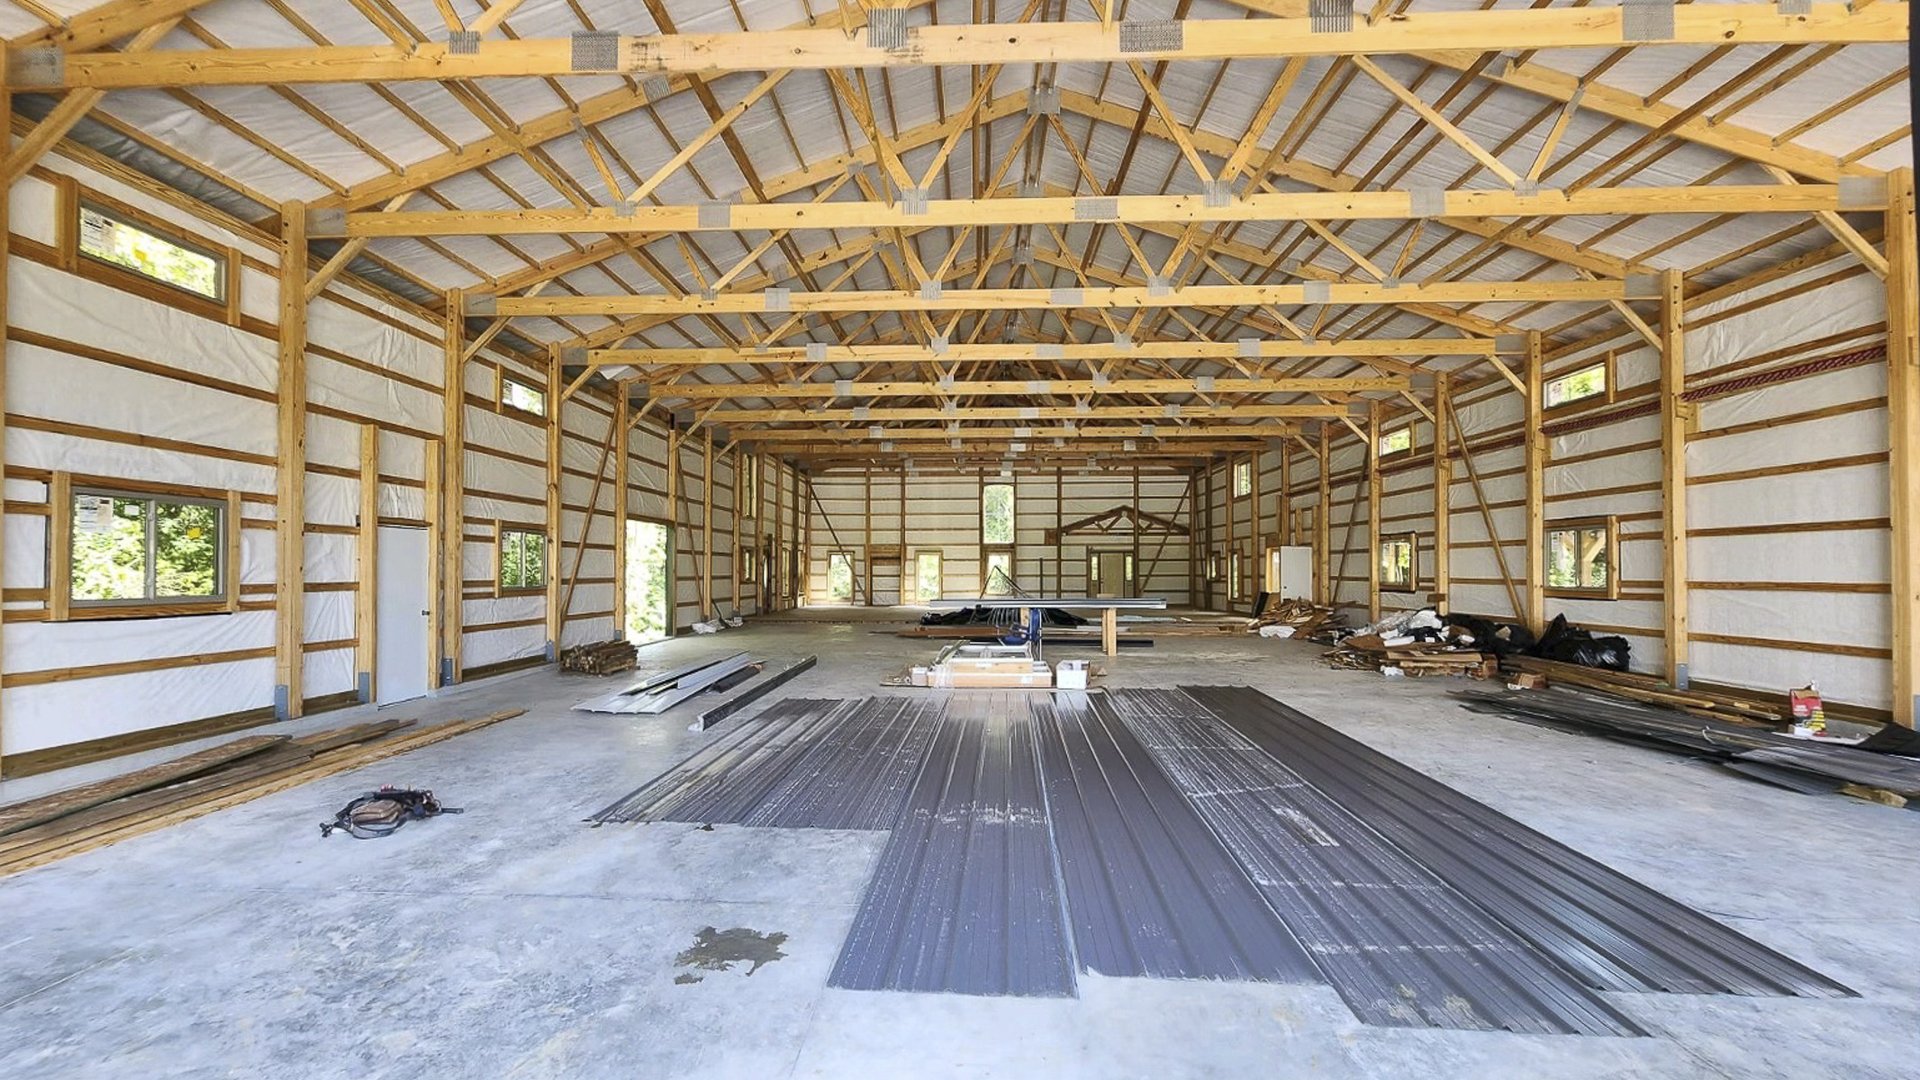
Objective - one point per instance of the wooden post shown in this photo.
(622, 425)
(436, 510)
(290, 511)
(706, 527)
(1903, 417)
(1442, 492)
(556, 617)
(1373, 511)
(673, 518)
(1674, 417)
(1283, 499)
(366, 573)
(1536, 442)
(1323, 520)
(733, 585)
(453, 487)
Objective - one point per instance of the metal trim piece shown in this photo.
(655, 87)
(861, 412)
(939, 345)
(1795, 7)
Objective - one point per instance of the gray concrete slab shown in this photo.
(515, 940)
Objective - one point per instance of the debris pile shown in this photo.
(599, 658)
(1415, 643)
(1648, 689)
(1280, 618)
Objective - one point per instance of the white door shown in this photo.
(400, 615)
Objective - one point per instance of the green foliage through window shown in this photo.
(647, 576)
(113, 240)
(1396, 441)
(926, 576)
(839, 577)
(134, 548)
(520, 396)
(1579, 556)
(1242, 478)
(996, 514)
(999, 574)
(523, 559)
(1576, 386)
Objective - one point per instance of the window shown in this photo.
(1400, 562)
(748, 487)
(999, 574)
(1233, 575)
(1397, 441)
(839, 577)
(111, 238)
(1581, 557)
(523, 560)
(926, 575)
(518, 395)
(1242, 478)
(1213, 566)
(127, 551)
(996, 514)
(1588, 382)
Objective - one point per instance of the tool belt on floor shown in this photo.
(381, 813)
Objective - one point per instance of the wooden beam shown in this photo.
(1130, 209)
(106, 24)
(1536, 476)
(71, 109)
(1020, 352)
(961, 44)
(1840, 229)
(1674, 414)
(880, 433)
(1439, 122)
(1027, 387)
(291, 468)
(366, 573)
(1442, 491)
(1903, 417)
(1169, 413)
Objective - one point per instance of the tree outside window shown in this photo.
(996, 514)
(523, 560)
(128, 547)
(111, 239)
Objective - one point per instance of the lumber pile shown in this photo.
(1650, 690)
(1302, 618)
(43, 830)
(599, 658)
(1418, 659)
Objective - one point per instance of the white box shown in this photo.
(1070, 675)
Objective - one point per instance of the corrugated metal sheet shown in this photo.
(803, 763)
(1401, 947)
(1611, 930)
(964, 899)
(1149, 890)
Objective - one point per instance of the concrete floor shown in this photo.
(514, 940)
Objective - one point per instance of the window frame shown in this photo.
(63, 606)
(1605, 396)
(501, 530)
(1240, 469)
(1234, 564)
(72, 198)
(1611, 524)
(500, 382)
(987, 554)
(827, 579)
(1412, 540)
(1013, 514)
(1413, 442)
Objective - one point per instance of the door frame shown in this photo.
(939, 557)
(430, 676)
(1131, 571)
(672, 585)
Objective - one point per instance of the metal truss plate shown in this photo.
(1646, 20)
(1248, 348)
(913, 201)
(1329, 16)
(1427, 202)
(1098, 208)
(596, 50)
(816, 352)
(887, 28)
(779, 299)
(1065, 297)
(714, 215)
(1157, 35)
(1317, 292)
(463, 43)
(929, 290)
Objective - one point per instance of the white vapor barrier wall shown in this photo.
(109, 383)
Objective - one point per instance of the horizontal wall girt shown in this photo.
(959, 44)
(1322, 206)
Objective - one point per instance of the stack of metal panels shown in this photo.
(1610, 930)
(662, 690)
(964, 899)
(1401, 947)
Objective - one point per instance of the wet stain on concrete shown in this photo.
(719, 950)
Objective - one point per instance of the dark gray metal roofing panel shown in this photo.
(802, 764)
(1611, 930)
(1401, 947)
(964, 899)
(1149, 890)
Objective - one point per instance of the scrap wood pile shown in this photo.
(1287, 618)
(1416, 643)
(1649, 690)
(52, 827)
(1884, 767)
(600, 657)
